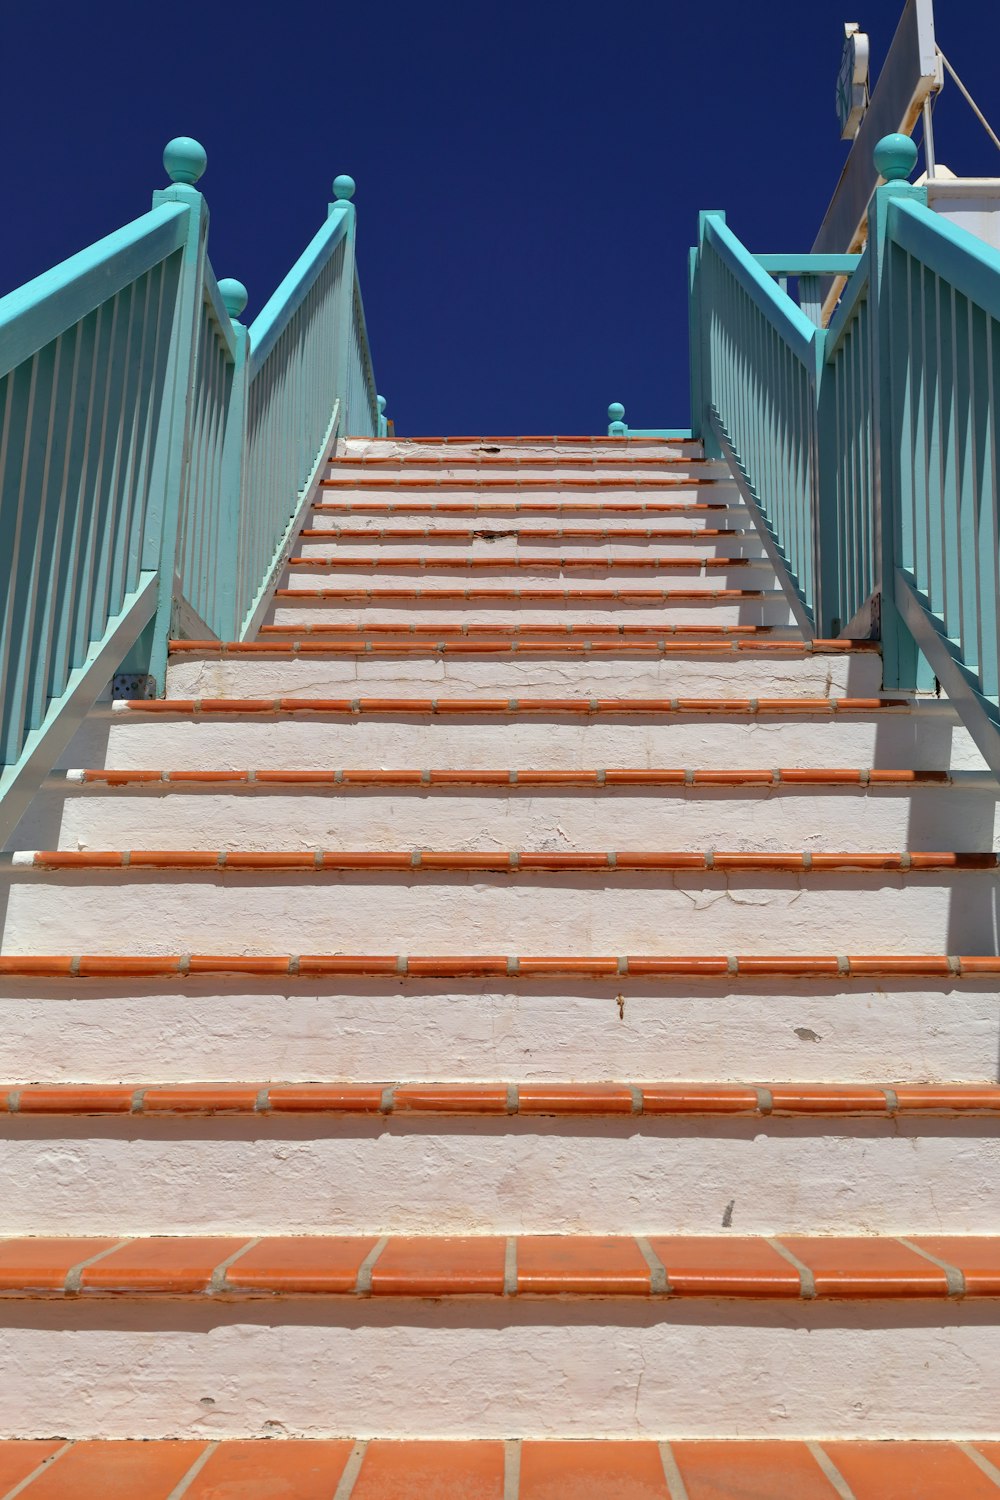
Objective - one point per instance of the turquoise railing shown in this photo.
(869, 451)
(156, 456)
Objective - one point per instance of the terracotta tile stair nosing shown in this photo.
(589, 562)
(606, 597)
(521, 535)
(472, 646)
(722, 967)
(473, 1099)
(237, 1266)
(498, 460)
(424, 779)
(515, 1468)
(550, 707)
(509, 861)
(350, 507)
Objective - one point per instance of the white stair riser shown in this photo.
(520, 818)
(374, 912)
(469, 467)
(765, 1030)
(603, 675)
(138, 742)
(502, 1176)
(494, 446)
(503, 551)
(496, 573)
(706, 615)
(624, 1369)
(494, 512)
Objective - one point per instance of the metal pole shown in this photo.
(929, 161)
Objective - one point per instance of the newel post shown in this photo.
(701, 293)
(185, 161)
(343, 192)
(895, 158)
(231, 597)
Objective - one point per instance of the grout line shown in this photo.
(659, 1285)
(363, 1285)
(675, 1482)
(184, 1483)
(46, 1463)
(512, 1469)
(74, 1275)
(953, 1276)
(831, 1472)
(981, 1461)
(510, 1267)
(352, 1469)
(217, 1280)
(807, 1289)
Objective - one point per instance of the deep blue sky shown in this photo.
(529, 174)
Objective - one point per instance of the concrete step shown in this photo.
(223, 1018)
(146, 901)
(738, 669)
(315, 1469)
(597, 1367)
(171, 1168)
(455, 729)
(481, 810)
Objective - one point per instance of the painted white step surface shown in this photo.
(625, 1369)
(926, 739)
(502, 1176)
(621, 509)
(707, 614)
(262, 817)
(740, 674)
(723, 573)
(501, 550)
(455, 913)
(252, 1028)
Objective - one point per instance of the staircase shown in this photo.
(524, 1025)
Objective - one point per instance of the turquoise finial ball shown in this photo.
(343, 187)
(616, 412)
(380, 402)
(234, 296)
(895, 157)
(185, 159)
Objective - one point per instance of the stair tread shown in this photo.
(727, 967)
(493, 1098)
(506, 861)
(795, 1266)
(525, 507)
(592, 562)
(359, 644)
(511, 778)
(585, 706)
(492, 1469)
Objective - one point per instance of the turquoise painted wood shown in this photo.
(618, 427)
(868, 450)
(156, 455)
